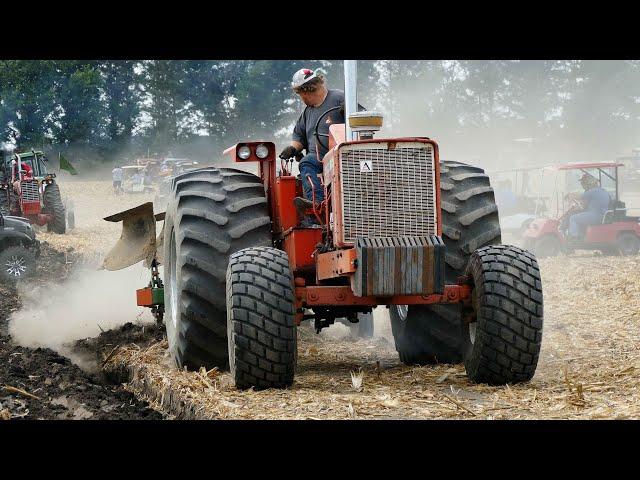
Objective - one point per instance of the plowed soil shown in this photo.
(42, 384)
(589, 365)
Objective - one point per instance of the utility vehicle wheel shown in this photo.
(628, 243)
(545, 246)
(610, 251)
(16, 263)
(53, 204)
(433, 333)
(261, 326)
(363, 328)
(212, 213)
(502, 345)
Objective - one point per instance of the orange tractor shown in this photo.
(398, 228)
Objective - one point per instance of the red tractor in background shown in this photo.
(618, 233)
(398, 228)
(28, 190)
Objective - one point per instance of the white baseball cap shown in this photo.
(302, 76)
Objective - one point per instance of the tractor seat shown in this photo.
(617, 212)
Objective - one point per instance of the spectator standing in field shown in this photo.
(117, 174)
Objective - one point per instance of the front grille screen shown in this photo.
(30, 191)
(388, 192)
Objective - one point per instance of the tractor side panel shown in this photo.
(300, 245)
(608, 233)
(285, 212)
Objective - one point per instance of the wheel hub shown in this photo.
(16, 266)
(403, 311)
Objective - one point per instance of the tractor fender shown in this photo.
(9, 236)
(540, 227)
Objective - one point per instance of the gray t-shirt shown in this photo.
(597, 200)
(303, 131)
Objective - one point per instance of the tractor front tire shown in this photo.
(427, 334)
(261, 327)
(53, 205)
(628, 243)
(503, 344)
(212, 213)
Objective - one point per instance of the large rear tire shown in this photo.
(261, 325)
(53, 204)
(427, 334)
(212, 213)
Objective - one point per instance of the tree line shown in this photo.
(585, 109)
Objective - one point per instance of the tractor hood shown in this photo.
(18, 224)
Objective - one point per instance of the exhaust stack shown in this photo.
(350, 95)
(359, 125)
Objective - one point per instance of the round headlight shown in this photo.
(244, 152)
(262, 151)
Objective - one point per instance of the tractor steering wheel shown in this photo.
(315, 130)
(575, 204)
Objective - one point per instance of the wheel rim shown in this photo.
(402, 311)
(16, 266)
(173, 284)
(472, 333)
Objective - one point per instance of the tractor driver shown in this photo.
(25, 170)
(595, 202)
(310, 86)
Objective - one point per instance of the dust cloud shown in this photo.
(88, 302)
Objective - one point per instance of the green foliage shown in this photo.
(471, 107)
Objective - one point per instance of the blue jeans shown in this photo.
(309, 165)
(578, 223)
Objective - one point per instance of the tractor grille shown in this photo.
(30, 191)
(388, 193)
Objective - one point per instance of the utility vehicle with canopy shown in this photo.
(617, 232)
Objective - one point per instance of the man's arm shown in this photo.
(585, 198)
(298, 137)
